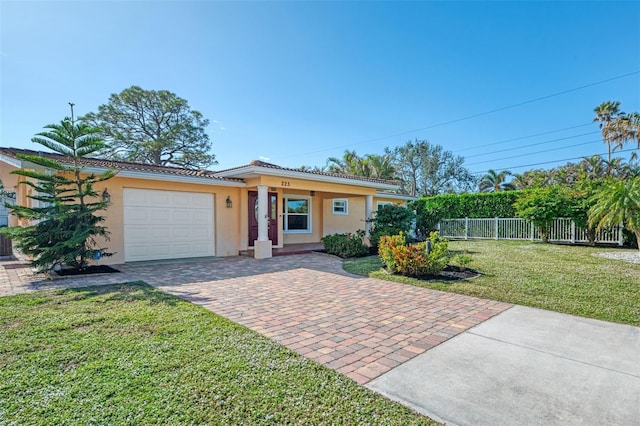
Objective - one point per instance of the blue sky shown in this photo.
(294, 83)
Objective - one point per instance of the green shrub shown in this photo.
(541, 206)
(413, 260)
(385, 249)
(391, 219)
(346, 245)
(452, 206)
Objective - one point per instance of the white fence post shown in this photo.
(532, 229)
(573, 232)
(466, 228)
(496, 228)
(621, 235)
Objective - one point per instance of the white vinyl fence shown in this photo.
(562, 230)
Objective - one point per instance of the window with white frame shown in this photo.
(340, 206)
(381, 204)
(297, 214)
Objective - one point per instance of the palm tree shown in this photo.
(349, 164)
(381, 166)
(617, 202)
(605, 114)
(495, 182)
(624, 128)
(593, 167)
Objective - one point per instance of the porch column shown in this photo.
(368, 214)
(262, 246)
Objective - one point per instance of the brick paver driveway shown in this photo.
(361, 327)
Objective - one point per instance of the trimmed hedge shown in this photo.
(346, 245)
(448, 206)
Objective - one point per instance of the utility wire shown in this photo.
(469, 117)
(532, 153)
(530, 145)
(524, 137)
(553, 161)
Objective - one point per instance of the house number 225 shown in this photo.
(285, 183)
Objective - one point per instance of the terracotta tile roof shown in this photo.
(258, 163)
(119, 165)
(209, 174)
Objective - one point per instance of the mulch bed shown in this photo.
(98, 269)
(454, 273)
(450, 273)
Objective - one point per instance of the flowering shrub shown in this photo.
(413, 260)
(385, 249)
(346, 245)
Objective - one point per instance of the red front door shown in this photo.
(272, 211)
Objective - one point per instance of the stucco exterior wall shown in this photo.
(355, 220)
(226, 220)
(338, 223)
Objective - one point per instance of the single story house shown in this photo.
(159, 212)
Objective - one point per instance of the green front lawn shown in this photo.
(130, 354)
(560, 278)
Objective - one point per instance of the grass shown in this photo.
(560, 278)
(130, 354)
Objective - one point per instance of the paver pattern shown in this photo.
(361, 327)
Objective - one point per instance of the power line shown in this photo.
(469, 117)
(530, 145)
(553, 161)
(532, 153)
(525, 137)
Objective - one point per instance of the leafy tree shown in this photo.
(605, 114)
(570, 174)
(424, 169)
(495, 182)
(153, 127)
(542, 206)
(617, 202)
(64, 220)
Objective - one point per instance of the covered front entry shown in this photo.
(272, 212)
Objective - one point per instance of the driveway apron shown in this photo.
(358, 326)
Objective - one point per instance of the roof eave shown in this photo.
(138, 174)
(15, 162)
(396, 196)
(258, 171)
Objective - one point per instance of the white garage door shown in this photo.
(167, 224)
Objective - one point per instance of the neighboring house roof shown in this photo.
(257, 168)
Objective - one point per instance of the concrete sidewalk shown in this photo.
(526, 366)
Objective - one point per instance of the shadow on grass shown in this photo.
(135, 291)
(457, 252)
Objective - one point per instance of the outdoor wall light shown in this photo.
(106, 197)
(229, 203)
(313, 193)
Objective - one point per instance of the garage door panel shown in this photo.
(167, 224)
(182, 215)
(200, 216)
(136, 216)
